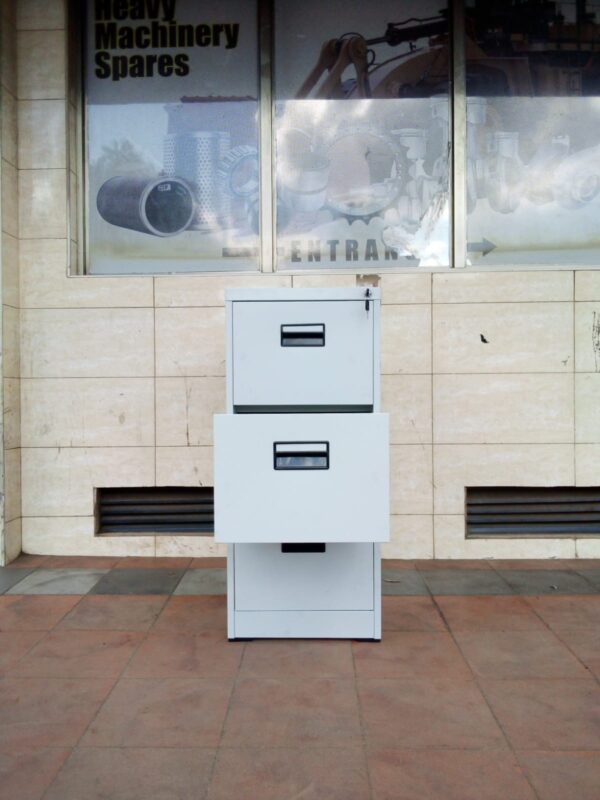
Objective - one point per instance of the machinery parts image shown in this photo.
(157, 206)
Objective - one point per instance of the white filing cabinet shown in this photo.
(302, 464)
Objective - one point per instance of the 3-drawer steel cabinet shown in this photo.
(302, 464)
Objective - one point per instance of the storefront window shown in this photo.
(171, 94)
(533, 132)
(362, 131)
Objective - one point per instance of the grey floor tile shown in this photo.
(139, 581)
(203, 581)
(465, 581)
(592, 576)
(402, 581)
(546, 581)
(8, 577)
(58, 581)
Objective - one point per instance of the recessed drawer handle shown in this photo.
(301, 455)
(303, 335)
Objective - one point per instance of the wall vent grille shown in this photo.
(545, 512)
(164, 509)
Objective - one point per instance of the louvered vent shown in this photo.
(556, 511)
(156, 510)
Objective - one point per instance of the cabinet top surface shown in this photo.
(290, 295)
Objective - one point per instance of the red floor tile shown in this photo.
(146, 774)
(451, 563)
(25, 775)
(581, 563)
(447, 775)
(547, 714)
(42, 712)
(397, 563)
(410, 655)
(527, 563)
(14, 645)
(573, 612)
(563, 776)
(79, 654)
(188, 613)
(278, 713)
(26, 561)
(114, 612)
(405, 613)
(216, 562)
(274, 774)
(585, 644)
(519, 654)
(167, 712)
(34, 612)
(489, 614)
(147, 562)
(186, 655)
(297, 659)
(80, 562)
(427, 713)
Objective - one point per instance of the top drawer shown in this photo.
(299, 354)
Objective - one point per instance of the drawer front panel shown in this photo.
(291, 354)
(341, 578)
(301, 478)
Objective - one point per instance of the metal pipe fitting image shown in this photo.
(157, 206)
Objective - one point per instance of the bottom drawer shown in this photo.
(267, 579)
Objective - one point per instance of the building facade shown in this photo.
(490, 369)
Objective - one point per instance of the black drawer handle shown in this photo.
(303, 547)
(303, 335)
(301, 455)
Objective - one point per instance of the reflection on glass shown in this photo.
(361, 121)
(533, 132)
(172, 136)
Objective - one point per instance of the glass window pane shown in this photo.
(533, 132)
(171, 92)
(361, 124)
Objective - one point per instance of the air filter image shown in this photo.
(159, 206)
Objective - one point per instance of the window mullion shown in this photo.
(458, 188)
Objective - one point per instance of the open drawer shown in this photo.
(301, 478)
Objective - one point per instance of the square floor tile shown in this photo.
(563, 776)
(427, 714)
(535, 581)
(273, 774)
(14, 645)
(410, 655)
(114, 612)
(168, 654)
(592, 576)
(410, 614)
(547, 714)
(58, 581)
(38, 712)
(138, 581)
(447, 775)
(33, 613)
(168, 712)
(585, 644)
(189, 613)
(402, 581)
(567, 613)
(297, 658)
(518, 654)
(25, 775)
(314, 712)
(79, 654)
(8, 577)
(203, 581)
(465, 581)
(489, 614)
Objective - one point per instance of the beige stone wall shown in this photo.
(119, 377)
(11, 541)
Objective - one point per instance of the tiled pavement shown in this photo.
(117, 681)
